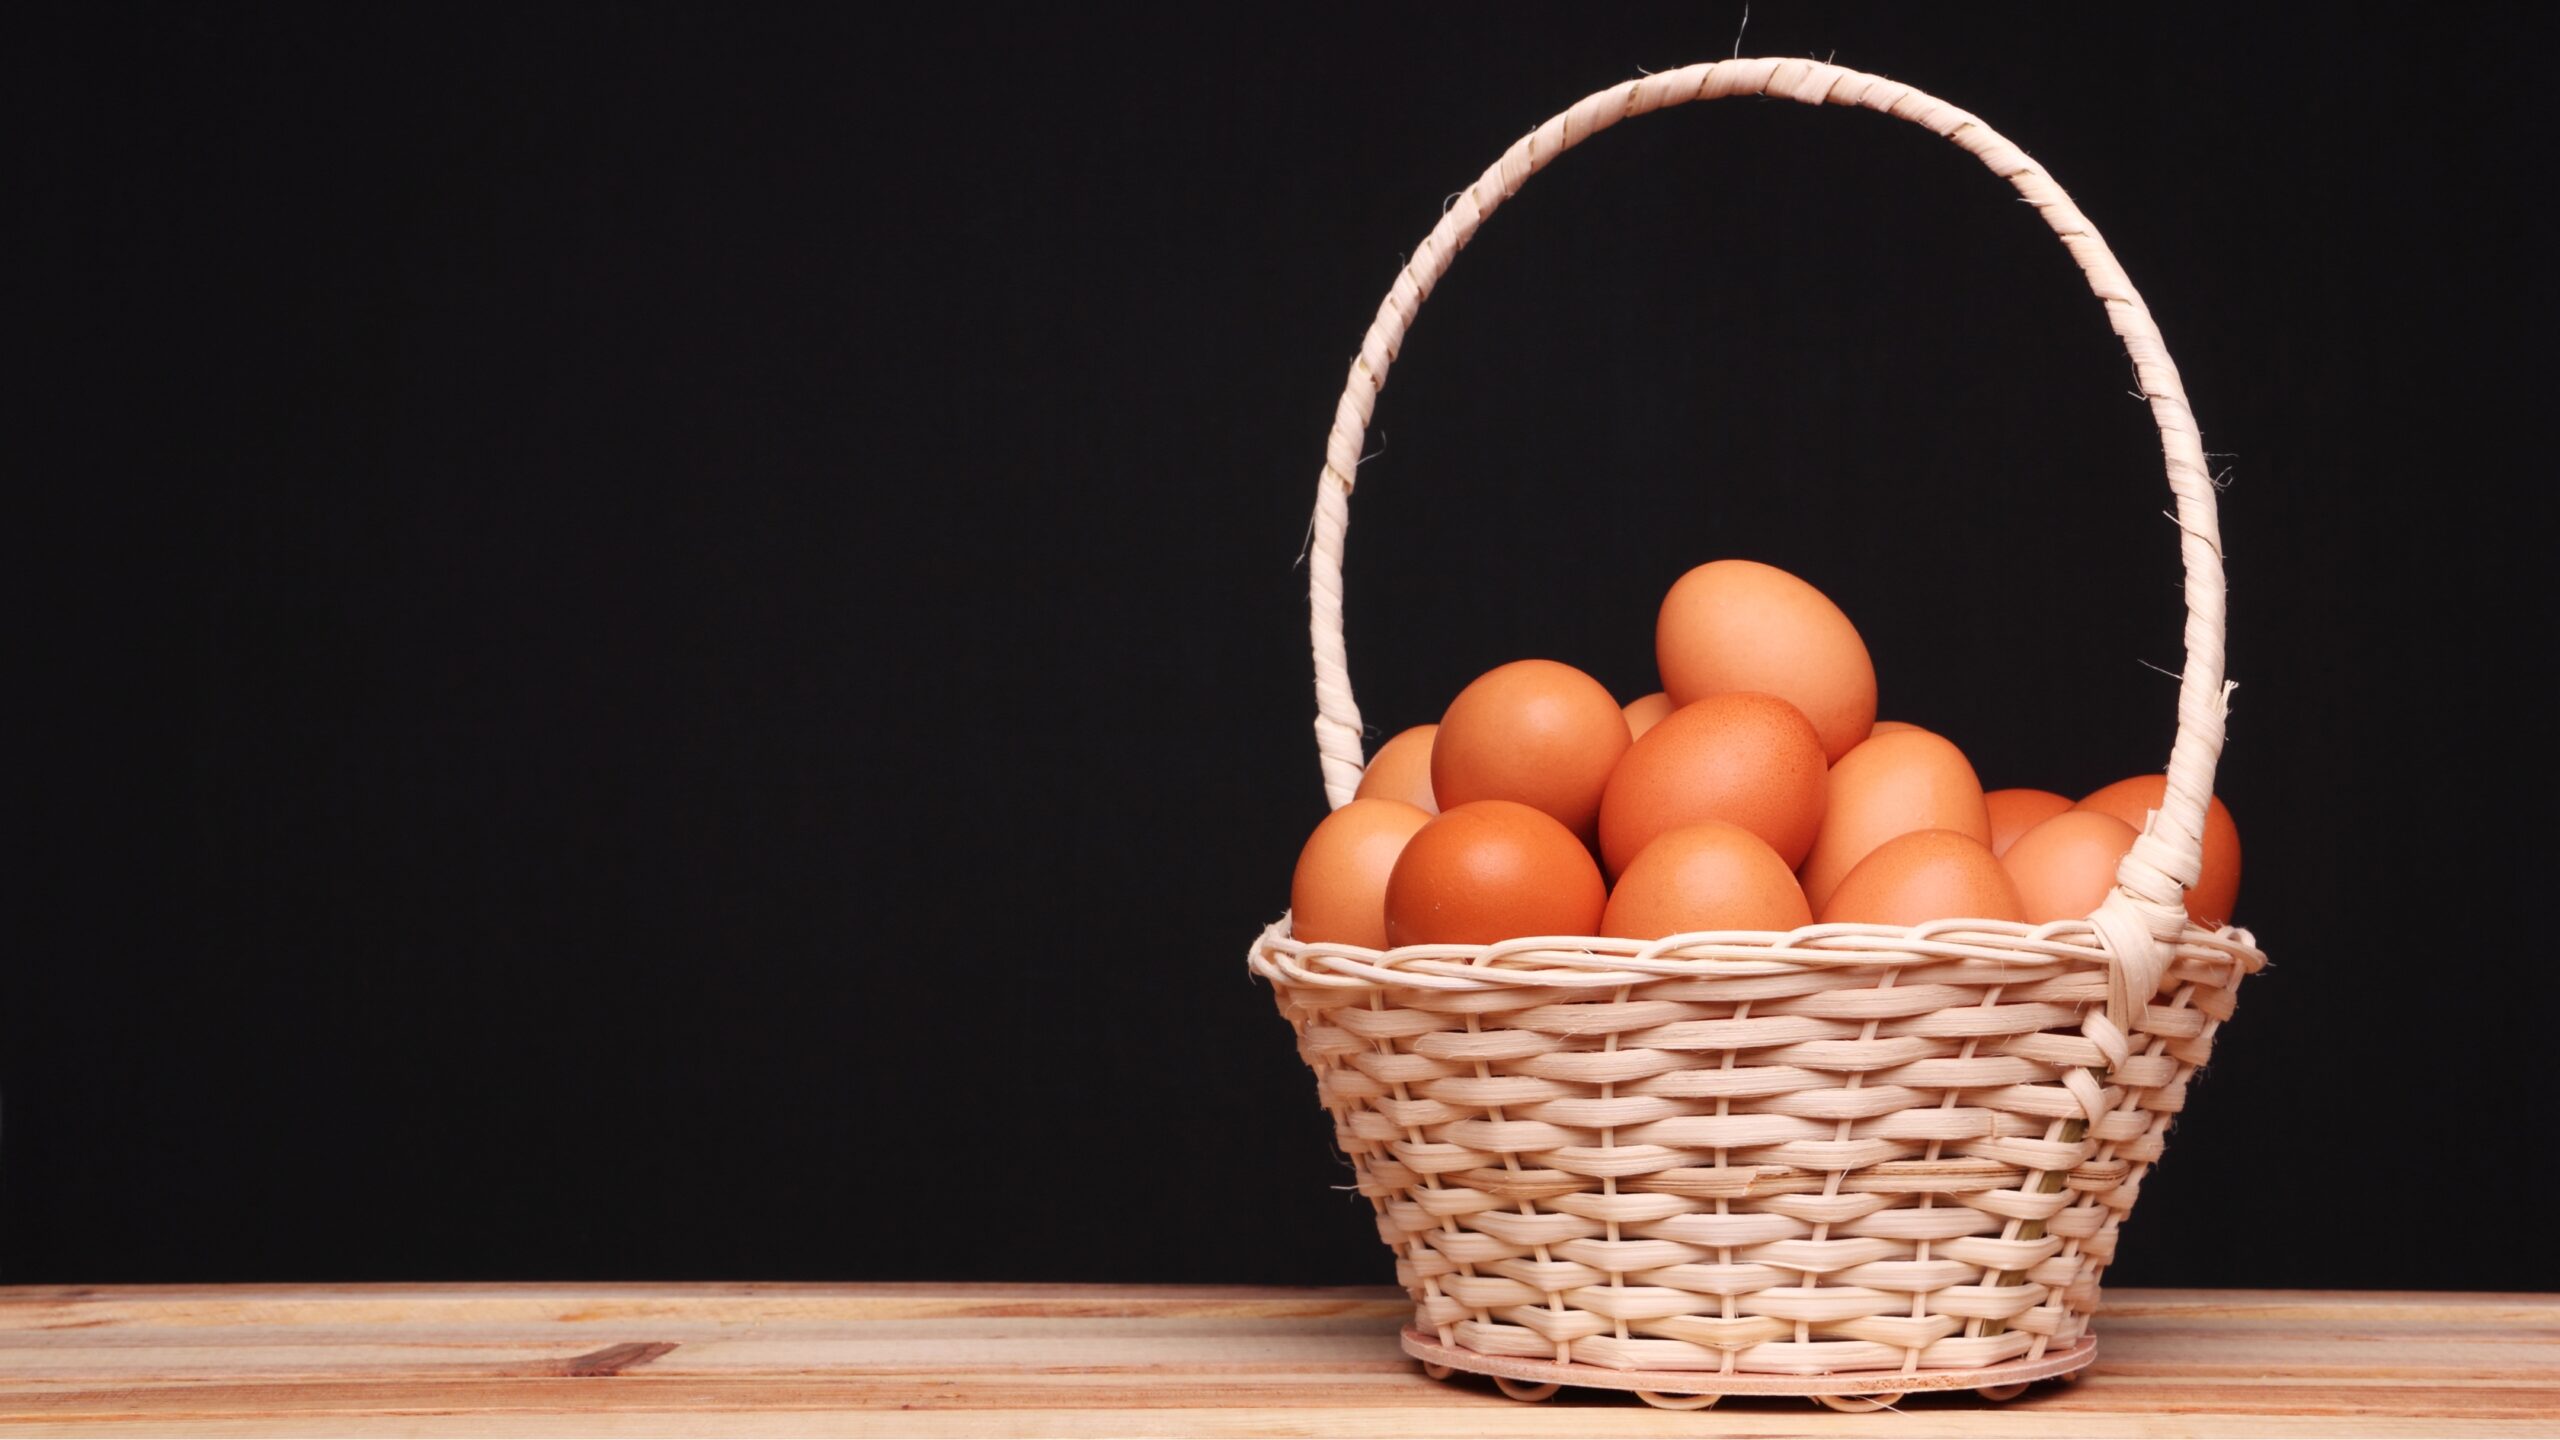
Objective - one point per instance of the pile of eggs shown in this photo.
(1756, 792)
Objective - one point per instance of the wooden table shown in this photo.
(948, 1360)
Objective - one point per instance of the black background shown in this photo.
(667, 643)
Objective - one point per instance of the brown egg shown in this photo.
(1892, 785)
(1887, 727)
(1735, 625)
(1646, 711)
(1543, 734)
(1745, 759)
(1923, 876)
(2066, 865)
(1401, 770)
(2015, 812)
(1493, 870)
(1705, 877)
(2217, 887)
(1339, 893)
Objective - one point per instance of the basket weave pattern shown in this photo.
(1847, 1150)
(1852, 1149)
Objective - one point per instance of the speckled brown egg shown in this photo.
(2065, 866)
(1892, 785)
(1401, 770)
(1536, 732)
(1746, 759)
(1738, 625)
(1705, 877)
(1923, 876)
(2015, 812)
(2217, 887)
(1493, 870)
(1339, 893)
(1646, 711)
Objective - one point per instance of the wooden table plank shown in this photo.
(1049, 1360)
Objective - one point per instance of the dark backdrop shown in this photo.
(669, 644)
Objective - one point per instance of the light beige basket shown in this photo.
(1847, 1162)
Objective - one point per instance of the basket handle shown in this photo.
(2170, 851)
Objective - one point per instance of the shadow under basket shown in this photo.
(1849, 1162)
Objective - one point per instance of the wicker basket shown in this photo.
(1847, 1162)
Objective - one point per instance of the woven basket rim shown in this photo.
(1548, 961)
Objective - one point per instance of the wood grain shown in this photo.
(1044, 1360)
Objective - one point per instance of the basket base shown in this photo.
(2008, 1378)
